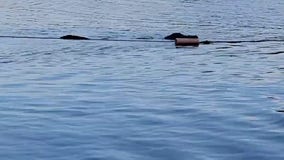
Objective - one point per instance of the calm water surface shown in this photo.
(89, 100)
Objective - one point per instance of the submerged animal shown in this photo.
(170, 37)
(73, 37)
(179, 35)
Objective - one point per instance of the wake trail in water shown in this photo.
(144, 40)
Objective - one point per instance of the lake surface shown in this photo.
(102, 100)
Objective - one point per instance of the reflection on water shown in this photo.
(128, 100)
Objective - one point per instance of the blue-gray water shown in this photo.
(98, 100)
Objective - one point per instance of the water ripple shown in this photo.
(120, 100)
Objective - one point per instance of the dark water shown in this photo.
(87, 100)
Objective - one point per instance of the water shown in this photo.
(87, 100)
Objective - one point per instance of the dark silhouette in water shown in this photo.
(179, 35)
(73, 37)
(281, 110)
(206, 42)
